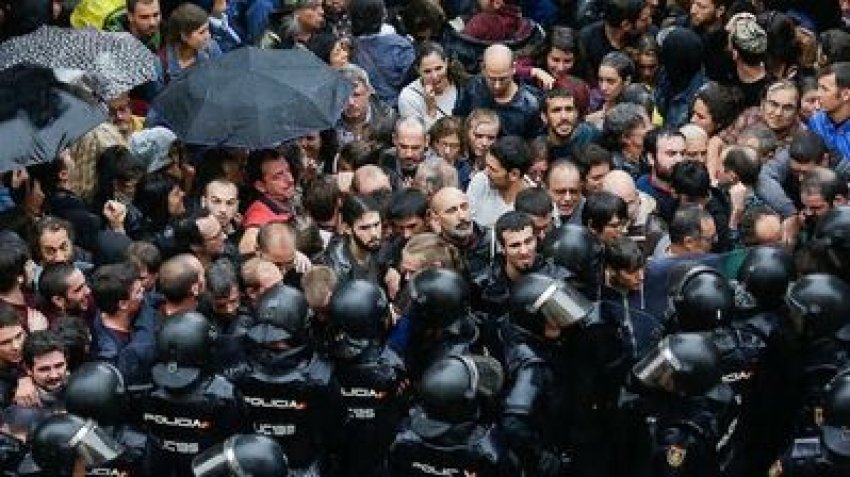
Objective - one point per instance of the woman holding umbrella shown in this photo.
(187, 41)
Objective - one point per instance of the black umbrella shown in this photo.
(253, 98)
(39, 117)
(114, 62)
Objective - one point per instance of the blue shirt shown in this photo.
(836, 136)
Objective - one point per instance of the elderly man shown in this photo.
(517, 105)
(410, 141)
(364, 114)
(450, 216)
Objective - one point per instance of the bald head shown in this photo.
(181, 277)
(446, 195)
(621, 184)
(498, 56)
(498, 71)
(449, 215)
(259, 275)
(368, 179)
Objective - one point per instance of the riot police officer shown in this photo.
(63, 444)
(189, 408)
(828, 453)
(575, 248)
(553, 365)
(241, 455)
(671, 408)
(289, 390)
(701, 299)
(444, 434)
(439, 319)
(96, 391)
(371, 376)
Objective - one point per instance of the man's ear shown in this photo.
(719, 12)
(260, 186)
(543, 118)
(196, 289)
(58, 301)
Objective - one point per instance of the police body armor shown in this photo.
(134, 462)
(808, 457)
(371, 393)
(185, 423)
(461, 450)
(290, 405)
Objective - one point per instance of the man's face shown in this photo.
(696, 149)
(49, 371)
(358, 102)
(565, 189)
(481, 136)
(137, 294)
(312, 17)
(830, 95)
(410, 146)
(407, 227)
(779, 109)
(11, 344)
(561, 117)
(560, 62)
(281, 253)
(199, 38)
(227, 305)
(542, 225)
(499, 76)
(703, 13)
(814, 205)
(213, 236)
(366, 231)
(630, 280)
(498, 176)
(800, 169)
(453, 216)
(77, 293)
(145, 19)
(708, 236)
(222, 200)
(670, 150)
(55, 247)
(277, 182)
(121, 114)
(520, 248)
(409, 265)
(593, 180)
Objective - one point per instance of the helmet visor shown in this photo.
(94, 445)
(658, 369)
(218, 461)
(562, 305)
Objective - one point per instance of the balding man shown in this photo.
(450, 216)
(563, 182)
(369, 179)
(276, 244)
(259, 275)
(517, 105)
(410, 141)
(644, 226)
(181, 281)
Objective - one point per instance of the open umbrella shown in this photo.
(39, 117)
(116, 62)
(253, 98)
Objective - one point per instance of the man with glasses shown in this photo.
(517, 105)
(779, 109)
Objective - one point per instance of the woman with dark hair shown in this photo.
(160, 198)
(809, 98)
(386, 56)
(187, 41)
(783, 55)
(446, 138)
(333, 49)
(553, 64)
(715, 109)
(615, 73)
(433, 95)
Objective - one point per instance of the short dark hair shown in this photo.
(687, 222)
(146, 254)
(131, 4)
(406, 203)
(806, 147)
(652, 138)
(835, 45)
(8, 316)
(54, 280)
(46, 224)
(355, 206)
(74, 333)
(512, 152)
(511, 221)
(185, 19)
(112, 283)
(615, 12)
(39, 343)
(534, 201)
(744, 162)
(690, 179)
(366, 16)
(624, 253)
(13, 260)
(590, 156)
(288, 152)
(321, 199)
(221, 278)
(600, 207)
(723, 103)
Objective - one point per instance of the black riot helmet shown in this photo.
(573, 247)
(439, 297)
(96, 391)
(536, 298)
(184, 345)
(59, 440)
(282, 315)
(701, 298)
(683, 363)
(765, 275)
(818, 306)
(831, 242)
(358, 316)
(835, 429)
(451, 387)
(242, 455)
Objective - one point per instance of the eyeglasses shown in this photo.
(786, 109)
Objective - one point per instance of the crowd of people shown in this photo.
(598, 238)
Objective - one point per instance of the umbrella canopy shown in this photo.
(116, 62)
(39, 118)
(253, 98)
